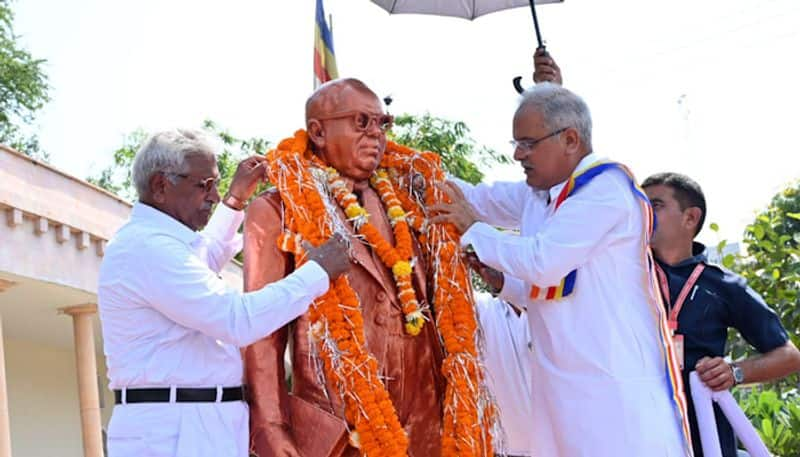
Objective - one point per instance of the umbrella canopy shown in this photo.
(468, 9)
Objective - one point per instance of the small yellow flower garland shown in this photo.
(397, 258)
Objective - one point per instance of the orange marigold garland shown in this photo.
(336, 322)
(469, 412)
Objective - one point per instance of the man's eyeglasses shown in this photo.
(528, 144)
(207, 184)
(363, 121)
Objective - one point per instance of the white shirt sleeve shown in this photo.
(514, 291)
(483, 308)
(566, 240)
(221, 236)
(499, 204)
(178, 284)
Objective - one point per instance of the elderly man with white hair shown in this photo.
(604, 379)
(171, 327)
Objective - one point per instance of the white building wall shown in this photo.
(43, 399)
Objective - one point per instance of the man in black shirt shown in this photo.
(706, 300)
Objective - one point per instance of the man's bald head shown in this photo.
(331, 96)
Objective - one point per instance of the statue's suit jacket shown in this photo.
(409, 365)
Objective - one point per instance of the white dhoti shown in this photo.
(603, 418)
(179, 430)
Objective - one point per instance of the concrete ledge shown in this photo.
(36, 188)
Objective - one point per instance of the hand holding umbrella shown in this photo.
(545, 68)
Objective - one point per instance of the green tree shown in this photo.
(772, 263)
(771, 266)
(23, 89)
(775, 416)
(450, 139)
(116, 178)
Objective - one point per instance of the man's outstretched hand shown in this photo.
(493, 278)
(332, 255)
(250, 172)
(458, 212)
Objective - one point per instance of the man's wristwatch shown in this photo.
(738, 374)
(233, 202)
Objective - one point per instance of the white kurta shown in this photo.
(600, 387)
(169, 320)
(506, 357)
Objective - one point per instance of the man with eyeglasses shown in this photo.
(347, 126)
(172, 329)
(603, 384)
(715, 299)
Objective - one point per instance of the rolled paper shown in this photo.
(741, 425)
(709, 439)
(704, 411)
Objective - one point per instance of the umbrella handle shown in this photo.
(517, 81)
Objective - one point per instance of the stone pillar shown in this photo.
(5, 432)
(91, 424)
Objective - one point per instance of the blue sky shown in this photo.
(708, 88)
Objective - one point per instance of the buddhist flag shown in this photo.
(324, 57)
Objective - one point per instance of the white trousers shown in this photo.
(179, 430)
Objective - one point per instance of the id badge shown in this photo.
(677, 344)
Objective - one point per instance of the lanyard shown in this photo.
(676, 308)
